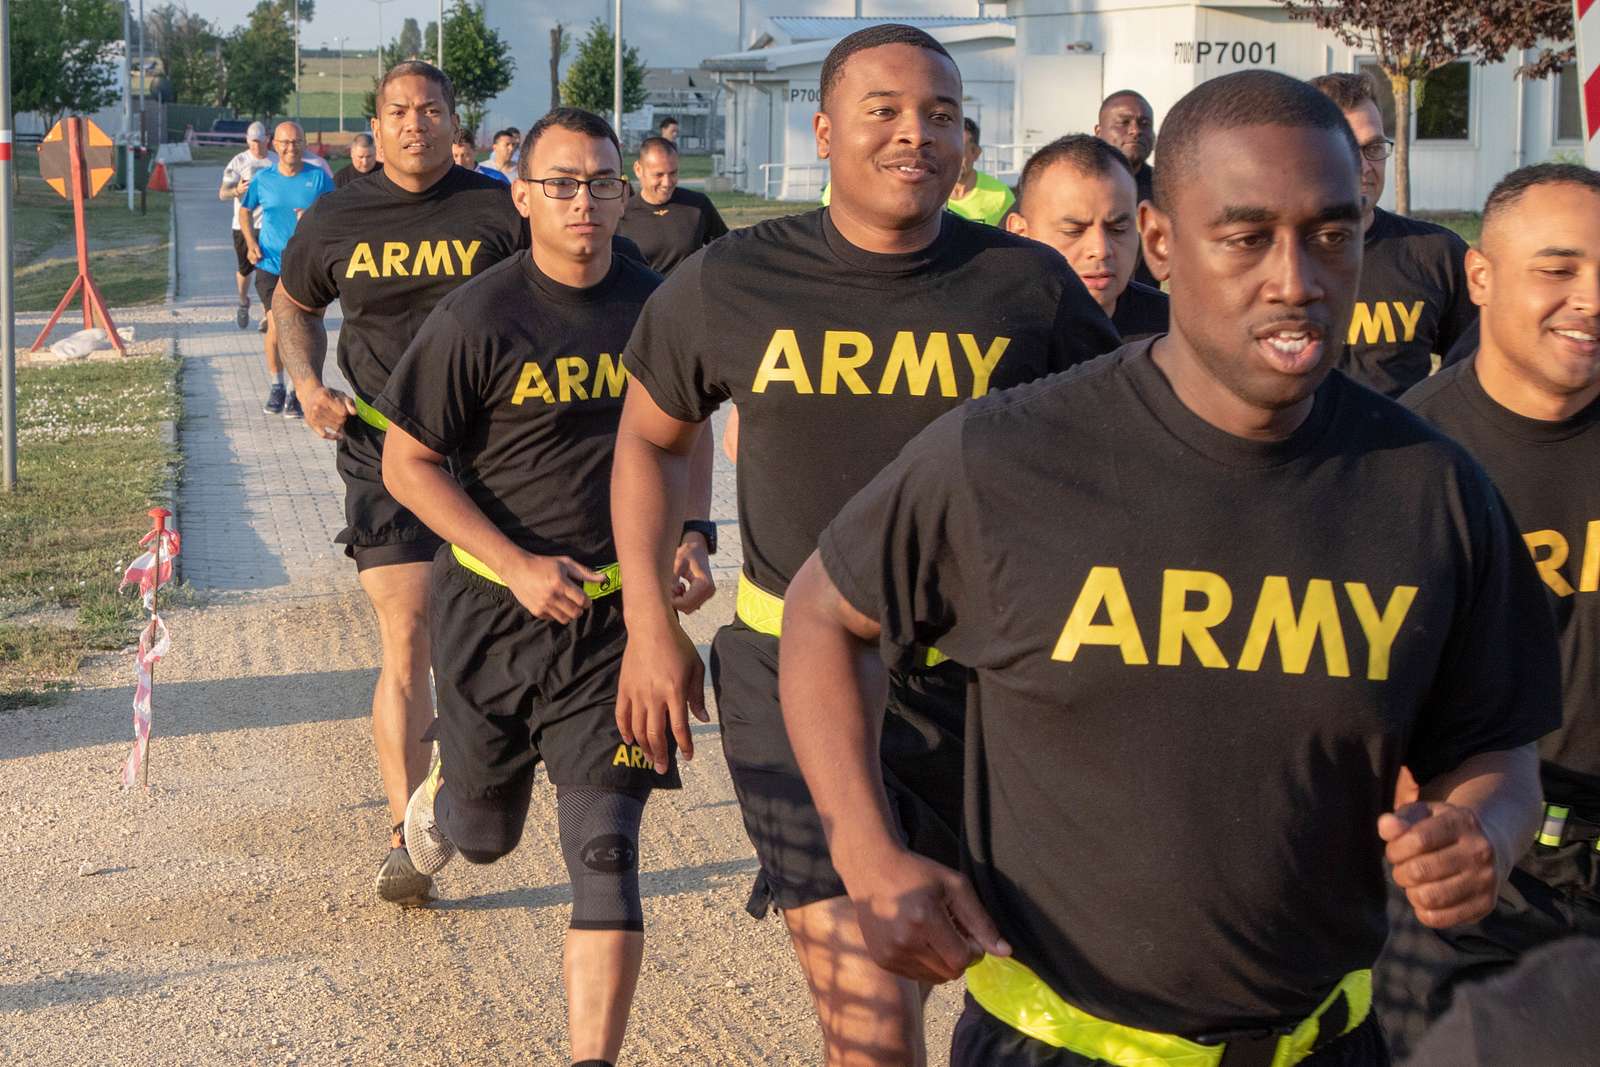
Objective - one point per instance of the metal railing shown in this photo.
(1006, 159)
(793, 181)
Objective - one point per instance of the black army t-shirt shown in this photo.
(388, 256)
(670, 233)
(348, 174)
(1200, 663)
(1411, 304)
(837, 357)
(1547, 471)
(1141, 312)
(519, 378)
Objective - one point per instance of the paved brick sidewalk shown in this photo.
(261, 502)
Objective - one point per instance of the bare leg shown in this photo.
(402, 707)
(869, 1017)
(244, 288)
(601, 970)
(274, 364)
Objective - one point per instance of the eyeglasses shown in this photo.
(567, 188)
(1378, 151)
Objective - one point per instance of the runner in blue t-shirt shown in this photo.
(283, 193)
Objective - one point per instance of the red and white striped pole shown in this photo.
(1586, 21)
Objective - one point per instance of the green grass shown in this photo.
(90, 463)
(742, 209)
(1468, 224)
(127, 251)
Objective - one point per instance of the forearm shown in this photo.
(436, 498)
(834, 689)
(649, 493)
(302, 342)
(246, 226)
(1502, 789)
(228, 191)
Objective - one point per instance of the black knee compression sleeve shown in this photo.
(600, 843)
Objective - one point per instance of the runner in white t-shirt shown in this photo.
(235, 181)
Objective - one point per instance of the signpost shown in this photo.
(8, 336)
(77, 159)
(1586, 21)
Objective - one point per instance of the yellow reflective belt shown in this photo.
(1012, 993)
(763, 612)
(1555, 825)
(374, 418)
(595, 590)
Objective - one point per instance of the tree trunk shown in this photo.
(555, 67)
(1401, 84)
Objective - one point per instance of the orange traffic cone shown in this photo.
(158, 179)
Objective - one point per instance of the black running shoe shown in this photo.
(401, 883)
(242, 316)
(275, 401)
(292, 409)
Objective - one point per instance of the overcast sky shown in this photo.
(357, 19)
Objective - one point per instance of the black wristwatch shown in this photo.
(705, 529)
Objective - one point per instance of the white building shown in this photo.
(1473, 123)
(668, 33)
(771, 93)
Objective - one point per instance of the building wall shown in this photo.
(1164, 50)
(668, 33)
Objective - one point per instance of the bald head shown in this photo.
(289, 141)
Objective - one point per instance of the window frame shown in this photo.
(1368, 62)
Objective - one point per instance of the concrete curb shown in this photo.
(172, 252)
(168, 432)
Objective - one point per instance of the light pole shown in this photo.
(438, 50)
(297, 60)
(340, 41)
(380, 4)
(8, 348)
(616, 66)
(127, 99)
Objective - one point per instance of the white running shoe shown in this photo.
(430, 850)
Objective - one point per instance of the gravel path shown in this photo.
(227, 915)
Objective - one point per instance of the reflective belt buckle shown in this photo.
(610, 582)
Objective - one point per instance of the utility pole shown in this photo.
(341, 41)
(616, 67)
(142, 77)
(381, 67)
(8, 333)
(127, 97)
(438, 50)
(296, 59)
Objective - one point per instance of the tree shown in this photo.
(61, 56)
(560, 45)
(190, 50)
(409, 44)
(260, 61)
(1414, 38)
(588, 84)
(477, 59)
(430, 41)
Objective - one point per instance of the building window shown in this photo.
(1569, 115)
(1442, 102)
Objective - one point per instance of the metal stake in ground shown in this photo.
(160, 515)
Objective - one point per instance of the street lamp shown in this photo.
(380, 4)
(616, 68)
(297, 60)
(340, 42)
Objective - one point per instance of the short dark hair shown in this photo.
(666, 120)
(874, 37)
(575, 119)
(507, 132)
(1349, 91)
(364, 140)
(1509, 189)
(1131, 94)
(1233, 102)
(464, 136)
(1088, 154)
(972, 129)
(657, 144)
(417, 68)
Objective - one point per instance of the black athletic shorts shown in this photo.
(266, 283)
(981, 1040)
(514, 691)
(1552, 894)
(379, 531)
(241, 251)
(922, 756)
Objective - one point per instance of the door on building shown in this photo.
(1060, 94)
